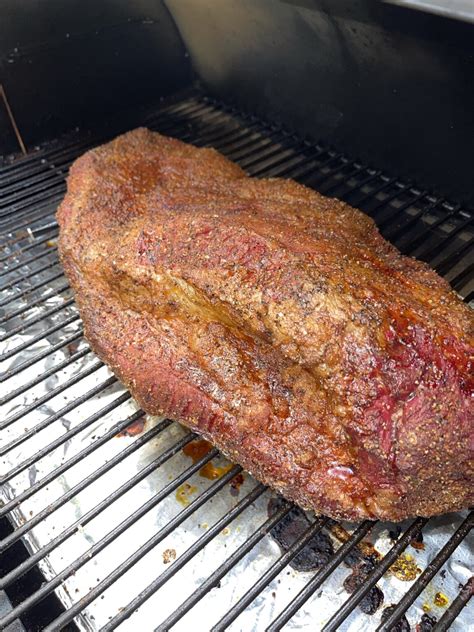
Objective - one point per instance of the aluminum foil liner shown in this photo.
(313, 615)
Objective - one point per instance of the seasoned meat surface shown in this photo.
(275, 322)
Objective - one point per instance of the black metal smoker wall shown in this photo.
(389, 85)
(84, 63)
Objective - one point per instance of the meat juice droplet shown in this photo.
(440, 600)
(134, 429)
(199, 448)
(213, 472)
(183, 492)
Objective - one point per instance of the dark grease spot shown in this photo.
(360, 571)
(426, 624)
(315, 554)
(372, 601)
(394, 533)
(401, 626)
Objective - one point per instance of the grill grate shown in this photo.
(93, 494)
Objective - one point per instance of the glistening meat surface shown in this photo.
(275, 322)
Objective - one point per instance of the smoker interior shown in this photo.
(96, 501)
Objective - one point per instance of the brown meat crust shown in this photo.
(277, 323)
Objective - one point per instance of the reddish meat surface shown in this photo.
(275, 322)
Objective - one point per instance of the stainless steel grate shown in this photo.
(122, 524)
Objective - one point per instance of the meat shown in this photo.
(275, 322)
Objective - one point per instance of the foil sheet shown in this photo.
(241, 577)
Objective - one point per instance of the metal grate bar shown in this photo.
(32, 273)
(246, 153)
(180, 108)
(15, 173)
(362, 530)
(50, 394)
(399, 190)
(21, 467)
(34, 303)
(23, 200)
(220, 134)
(372, 193)
(399, 230)
(40, 336)
(232, 614)
(47, 174)
(291, 166)
(458, 281)
(247, 150)
(185, 557)
(32, 321)
(29, 217)
(467, 591)
(418, 241)
(241, 138)
(309, 167)
(207, 122)
(350, 189)
(223, 569)
(312, 175)
(37, 170)
(50, 158)
(50, 585)
(348, 606)
(24, 164)
(265, 157)
(216, 140)
(122, 568)
(427, 575)
(34, 286)
(282, 160)
(40, 356)
(12, 243)
(106, 502)
(79, 487)
(341, 178)
(394, 218)
(43, 376)
(198, 116)
(396, 212)
(285, 169)
(214, 137)
(447, 263)
(20, 251)
(29, 260)
(31, 184)
(53, 194)
(30, 214)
